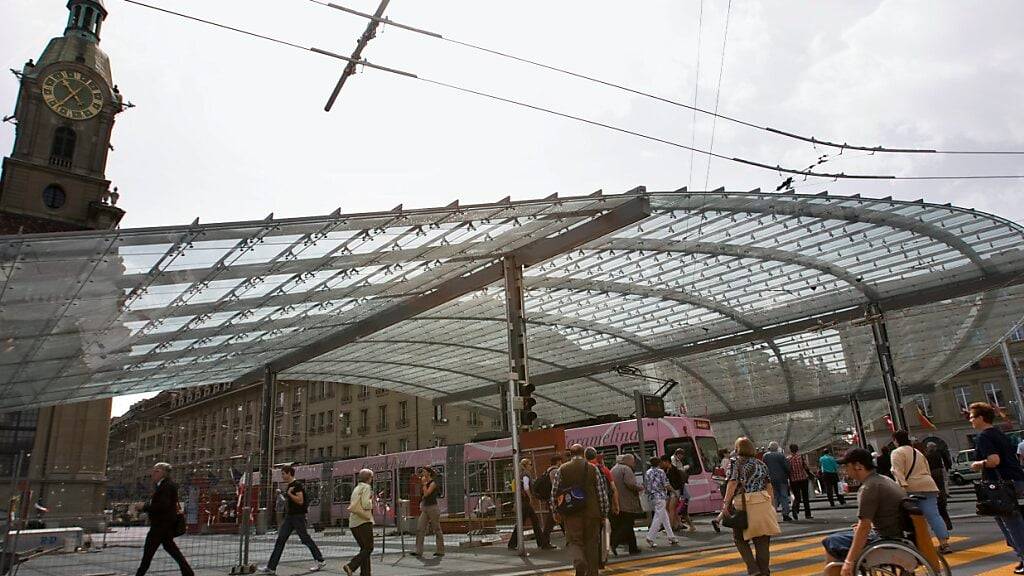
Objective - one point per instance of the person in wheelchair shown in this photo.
(879, 510)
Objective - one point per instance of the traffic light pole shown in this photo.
(890, 383)
(518, 379)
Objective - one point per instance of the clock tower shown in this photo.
(55, 181)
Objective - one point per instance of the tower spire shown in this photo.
(85, 18)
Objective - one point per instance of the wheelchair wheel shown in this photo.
(896, 559)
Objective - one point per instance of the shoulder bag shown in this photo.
(995, 497)
(180, 526)
(731, 517)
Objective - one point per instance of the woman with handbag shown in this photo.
(748, 508)
(1003, 478)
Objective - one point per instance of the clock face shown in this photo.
(72, 94)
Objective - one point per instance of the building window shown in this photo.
(62, 152)
(403, 411)
(474, 419)
(403, 444)
(439, 441)
(383, 448)
(962, 396)
(346, 451)
(439, 413)
(364, 450)
(994, 394)
(925, 403)
(364, 418)
(382, 418)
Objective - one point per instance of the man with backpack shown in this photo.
(541, 488)
(580, 502)
(294, 521)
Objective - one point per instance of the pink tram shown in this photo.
(468, 471)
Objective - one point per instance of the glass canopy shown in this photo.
(754, 302)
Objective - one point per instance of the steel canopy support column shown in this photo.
(1014, 386)
(889, 381)
(267, 449)
(517, 375)
(858, 421)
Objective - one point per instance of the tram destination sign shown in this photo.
(653, 406)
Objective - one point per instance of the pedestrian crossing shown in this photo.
(803, 557)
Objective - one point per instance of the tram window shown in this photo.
(608, 453)
(406, 483)
(313, 492)
(504, 474)
(342, 490)
(382, 488)
(476, 477)
(650, 449)
(689, 449)
(440, 479)
(709, 451)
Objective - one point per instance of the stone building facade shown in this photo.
(206, 432)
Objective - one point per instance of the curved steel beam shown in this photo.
(772, 205)
(739, 251)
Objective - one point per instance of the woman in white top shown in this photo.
(360, 522)
(910, 470)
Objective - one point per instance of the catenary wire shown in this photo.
(696, 88)
(718, 91)
(735, 159)
(694, 108)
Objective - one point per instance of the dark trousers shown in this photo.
(759, 561)
(296, 523)
(622, 531)
(801, 493)
(161, 537)
(583, 540)
(940, 481)
(364, 537)
(539, 533)
(830, 482)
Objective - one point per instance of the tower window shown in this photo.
(54, 197)
(63, 149)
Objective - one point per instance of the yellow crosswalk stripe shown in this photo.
(977, 553)
(635, 567)
(816, 568)
(1000, 571)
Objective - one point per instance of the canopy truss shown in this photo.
(755, 302)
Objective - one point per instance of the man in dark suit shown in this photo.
(163, 515)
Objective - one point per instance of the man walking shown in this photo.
(799, 481)
(580, 502)
(778, 473)
(830, 478)
(624, 477)
(296, 505)
(163, 516)
(360, 522)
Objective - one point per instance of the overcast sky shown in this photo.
(228, 127)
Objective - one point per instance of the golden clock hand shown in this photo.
(72, 91)
(68, 97)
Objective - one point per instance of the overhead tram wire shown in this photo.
(786, 134)
(738, 160)
(718, 91)
(696, 87)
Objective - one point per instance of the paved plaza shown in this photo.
(214, 555)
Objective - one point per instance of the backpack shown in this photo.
(541, 487)
(570, 501)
